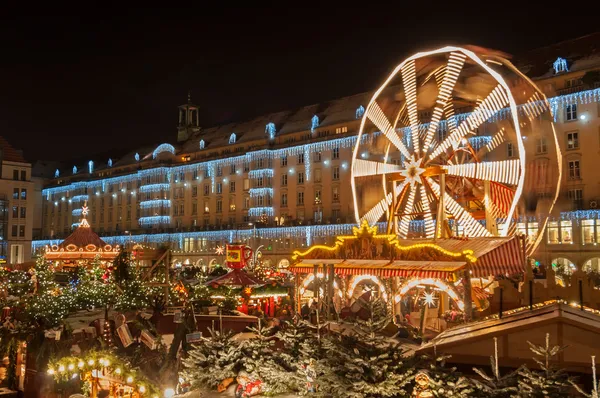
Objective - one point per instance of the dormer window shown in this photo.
(56, 173)
(91, 166)
(314, 123)
(360, 111)
(74, 169)
(232, 138)
(560, 65)
(109, 162)
(270, 130)
(137, 157)
(202, 144)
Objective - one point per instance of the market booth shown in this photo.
(448, 276)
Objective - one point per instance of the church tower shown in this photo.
(189, 120)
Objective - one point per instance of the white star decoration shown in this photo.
(220, 250)
(412, 171)
(428, 298)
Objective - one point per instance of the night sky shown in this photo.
(97, 84)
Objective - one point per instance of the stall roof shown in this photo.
(385, 268)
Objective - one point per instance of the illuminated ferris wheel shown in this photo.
(442, 142)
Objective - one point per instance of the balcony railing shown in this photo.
(570, 90)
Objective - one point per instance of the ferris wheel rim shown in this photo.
(513, 117)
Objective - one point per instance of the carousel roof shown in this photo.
(83, 243)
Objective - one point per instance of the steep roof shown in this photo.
(83, 236)
(9, 153)
(537, 63)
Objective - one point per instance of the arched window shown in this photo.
(232, 138)
(56, 173)
(163, 148)
(74, 169)
(137, 157)
(314, 123)
(202, 144)
(360, 111)
(109, 162)
(91, 166)
(270, 130)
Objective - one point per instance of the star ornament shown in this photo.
(428, 298)
(412, 171)
(220, 250)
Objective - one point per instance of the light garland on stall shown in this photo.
(102, 364)
(438, 283)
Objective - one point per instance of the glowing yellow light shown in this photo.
(71, 366)
(129, 379)
(142, 389)
(80, 364)
(61, 368)
(50, 371)
(91, 362)
(118, 371)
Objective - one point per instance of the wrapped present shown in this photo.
(125, 335)
(148, 339)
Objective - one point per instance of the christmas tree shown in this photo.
(496, 386)
(216, 358)
(549, 381)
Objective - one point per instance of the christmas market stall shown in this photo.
(435, 280)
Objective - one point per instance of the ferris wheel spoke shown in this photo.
(471, 226)
(376, 115)
(361, 168)
(496, 140)
(535, 106)
(375, 213)
(410, 207)
(502, 171)
(429, 225)
(452, 70)
(409, 80)
(494, 102)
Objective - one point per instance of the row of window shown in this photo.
(19, 212)
(20, 175)
(19, 193)
(561, 232)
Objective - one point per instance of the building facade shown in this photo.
(17, 199)
(282, 181)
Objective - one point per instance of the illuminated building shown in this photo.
(17, 202)
(283, 180)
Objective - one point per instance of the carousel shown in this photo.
(81, 247)
(440, 157)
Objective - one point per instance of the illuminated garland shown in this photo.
(259, 211)
(155, 188)
(154, 220)
(256, 192)
(260, 173)
(163, 148)
(392, 239)
(308, 232)
(102, 363)
(148, 204)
